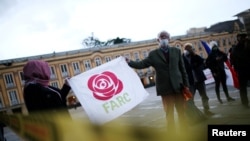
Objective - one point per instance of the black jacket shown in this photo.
(214, 64)
(195, 65)
(40, 98)
(240, 57)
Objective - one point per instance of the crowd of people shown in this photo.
(175, 69)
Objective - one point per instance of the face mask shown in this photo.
(164, 42)
(186, 52)
(214, 48)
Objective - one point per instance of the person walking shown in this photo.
(195, 65)
(240, 59)
(170, 76)
(38, 95)
(215, 62)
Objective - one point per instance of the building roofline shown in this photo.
(242, 13)
(8, 62)
(63, 53)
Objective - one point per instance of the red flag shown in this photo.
(234, 75)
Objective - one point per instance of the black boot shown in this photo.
(230, 99)
(218, 97)
(221, 102)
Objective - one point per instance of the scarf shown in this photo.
(36, 71)
(164, 49)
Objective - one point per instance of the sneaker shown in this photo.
(230, 99)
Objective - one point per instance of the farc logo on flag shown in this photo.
(108, 91)
(105, 85)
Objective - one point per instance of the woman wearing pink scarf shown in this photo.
(38, 95)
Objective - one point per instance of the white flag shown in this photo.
(108, 91)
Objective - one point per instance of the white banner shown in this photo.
(107, 91)
(210, 78)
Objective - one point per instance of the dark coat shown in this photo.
(196, 65)
(40, 98)
(177, 72)
(216, 65)
(240, 57)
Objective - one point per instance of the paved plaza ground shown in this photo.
(150, 114)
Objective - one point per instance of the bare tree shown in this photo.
(91, 41)
(117, 41)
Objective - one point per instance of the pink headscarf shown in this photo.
(37, 71)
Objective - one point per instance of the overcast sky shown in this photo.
(35, 27)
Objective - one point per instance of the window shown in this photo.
(234, 40)
(13, 97)
(76, 67)
(178, 46)
(117, 56)
(140, 73)
(200, 45)
(229, 41)
(145, 54)
(21, 77)
(9, 80)
(224, 42)
(64, 70)
(127, 55)
(136, 55)
(98, 61)
(87, 65)
(52, 72)
(108, 58)
(200, 48)
(194, 44)
(54, 84)
(225, 49)
(149, 71)
(218, 42)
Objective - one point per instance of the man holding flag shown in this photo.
(171, 76)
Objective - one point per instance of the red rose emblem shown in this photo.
(105, 85)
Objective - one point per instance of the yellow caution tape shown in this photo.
(59, 127)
